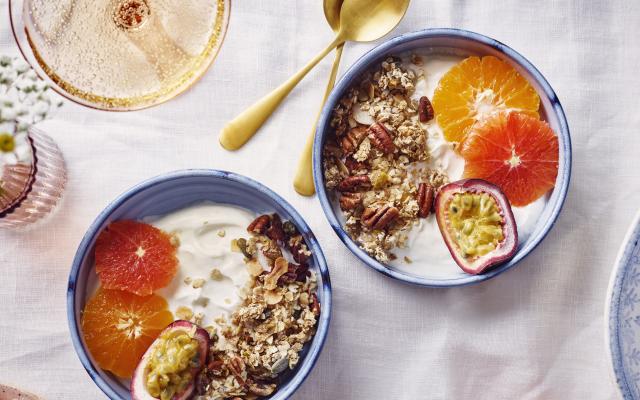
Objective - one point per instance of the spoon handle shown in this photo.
(303, 181)
(239, 130)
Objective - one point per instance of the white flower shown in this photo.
(15, 147)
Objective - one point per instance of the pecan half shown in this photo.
(260, 224)
(380, 218)
(354, 182)
(350, 201)
(425, 109)
(426, 193)
(276, 231)
(236, 366)
(381, 138)
(350, 142)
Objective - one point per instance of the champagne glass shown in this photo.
(119, 54)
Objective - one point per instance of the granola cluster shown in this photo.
(264, 337)
(377, 161)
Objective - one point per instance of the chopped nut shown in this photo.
(216, 275)
(184, 313)
(174, 240)
(280, 267)
(198, 283)
(187, 280)
(221, 233)
(201, 301)
(259, 225)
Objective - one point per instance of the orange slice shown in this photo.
(118, 328)
(476, 88)
(135, 257)
(517, 152)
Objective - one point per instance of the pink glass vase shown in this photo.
(31, 191)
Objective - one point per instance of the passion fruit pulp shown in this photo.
(477, 224)
(168, 369)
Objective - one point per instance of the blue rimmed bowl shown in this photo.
(171, 192)
(462, 43)
(622, 315)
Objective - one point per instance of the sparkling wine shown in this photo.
(120, 54)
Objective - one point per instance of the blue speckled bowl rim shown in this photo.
(319, 339)
(612, 308)
(562, 184)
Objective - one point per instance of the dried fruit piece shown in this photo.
(381, 138)
(477, 224)
(517, 152)
(135, 257)
(426, 194)
(276, 232)
(380, 218)
(476, 88)
(118, 327)
(425, 109)
(168, 369)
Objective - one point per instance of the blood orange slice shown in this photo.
(118, 328)
(135, 257)
(476, 88)
(517, 152)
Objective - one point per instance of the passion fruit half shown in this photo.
(168, 369)
(477, 224)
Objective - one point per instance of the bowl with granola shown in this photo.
(442, 158)
(199, 284)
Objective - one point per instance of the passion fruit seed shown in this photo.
(476, 223)
(171, 364)
(7, 142)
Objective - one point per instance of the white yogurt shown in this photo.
(427, 251)
(205, 232)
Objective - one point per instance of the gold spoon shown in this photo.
(360, 21)
(303, 181)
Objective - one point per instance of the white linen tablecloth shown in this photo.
(535, 332)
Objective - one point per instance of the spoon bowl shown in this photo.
(365, 21)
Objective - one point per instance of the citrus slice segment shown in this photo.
(476, 88)
(118, 327)
(515, 151)
(135, 257)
